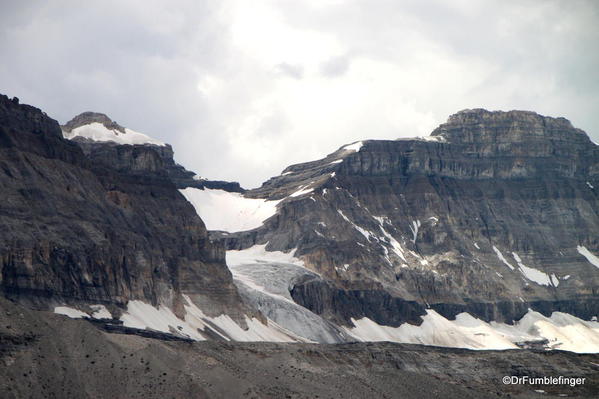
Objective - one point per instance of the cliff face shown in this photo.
(78, 229)
(491, 214)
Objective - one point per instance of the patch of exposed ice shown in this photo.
(222, 210)
(265, 281)
(259, 254)
(256, 331)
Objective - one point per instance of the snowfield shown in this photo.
(145, 316)
(562, 330)
(231, 212)
(98, 132)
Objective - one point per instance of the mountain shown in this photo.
(108, 142)
(492, 219)
(106, 233)
(482, 235)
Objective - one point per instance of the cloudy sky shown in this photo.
(242, 89)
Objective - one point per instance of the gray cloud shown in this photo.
(292, 71)
(200, 74)
(336, 66)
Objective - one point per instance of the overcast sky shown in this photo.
(241, 89)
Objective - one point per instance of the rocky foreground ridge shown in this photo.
(44, 355)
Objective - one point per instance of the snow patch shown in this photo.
(100, 312)
(98, 132)
(70, 312)
(533, 274)
(353, 147)
(222, 210)
(590, 185)
(142, 315)
(594, 260)
(336, 161)
(437, 139)
(562, 330)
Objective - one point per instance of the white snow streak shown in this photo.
(501, 258)
(587, 254)
(414, 227)
(301, 191)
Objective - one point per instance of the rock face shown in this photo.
(86, 118)
(148, 157)
(491, 215)
(107, 227)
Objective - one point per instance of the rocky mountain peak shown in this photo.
(88, 117)
(482, 126)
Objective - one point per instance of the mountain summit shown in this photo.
(95, 126)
